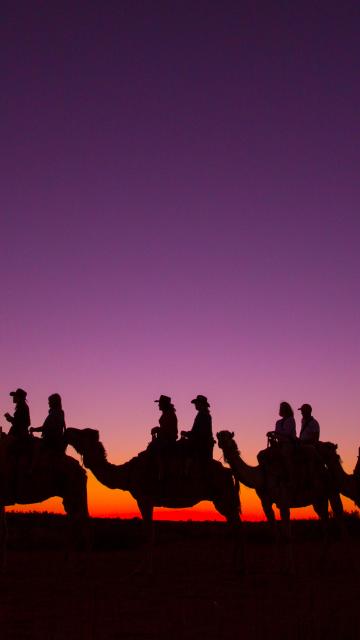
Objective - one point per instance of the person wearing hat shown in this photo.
(309, 436)
(53, 429)
(167, 432)
(164, 436)
(200, 440)
(19, 440)
(20, 421)
(310, 428)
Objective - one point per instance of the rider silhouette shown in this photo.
(310, 428)
(20, 421)
(284, 436)
(18, 442)
(164, 436)
(167, 432)
(53, 429)
(199, 439)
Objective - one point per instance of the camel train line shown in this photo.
(172, 473)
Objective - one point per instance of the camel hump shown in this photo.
(326, 449)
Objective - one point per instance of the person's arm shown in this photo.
(8, 417)
(40, 429)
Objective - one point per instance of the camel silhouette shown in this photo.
(271, 490)
(139, 478)
(348, 484)
(20, 483)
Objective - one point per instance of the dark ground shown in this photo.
(194, 592)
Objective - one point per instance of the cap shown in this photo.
(202, 399)
(164, 399)
(305, 406)
(18, 392)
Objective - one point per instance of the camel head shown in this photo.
(227, 443)
(82, 440)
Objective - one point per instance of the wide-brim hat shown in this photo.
(18, 393)
(201, 399)
(164, 399)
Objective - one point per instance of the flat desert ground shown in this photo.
(194, 591)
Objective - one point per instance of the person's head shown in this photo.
(164, 403)
(201, 403)
(285, 410)
(18, 396)
(55, 401)
(306, 410)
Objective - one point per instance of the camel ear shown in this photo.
(232, 434)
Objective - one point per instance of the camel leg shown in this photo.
(338, 511)
(236, 532)
(287, 539)
(3, 538)
(321, 509)
(75, 506)
(146, 509)
(270, 517)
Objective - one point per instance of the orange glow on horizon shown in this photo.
(110, 503)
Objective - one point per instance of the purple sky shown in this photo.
(180, 213)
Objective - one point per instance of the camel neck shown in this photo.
(111, 475)
(347, 482)
(246, 474)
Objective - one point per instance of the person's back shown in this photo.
(18, 445)
(200, 438)
(167, 432)
(285, 428)
(168, 425)
(284, 439)
(53, 429)
(310, 428)
(164, 436)
(20, 421)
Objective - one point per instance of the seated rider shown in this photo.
(165, 435)
(284, 435)
(285, 428)
(20, 421)
(310, 428)
(53, 429)
(18, 438)
(199, 440)
(309, 437)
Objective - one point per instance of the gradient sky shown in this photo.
(180, 214)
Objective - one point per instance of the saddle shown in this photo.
(303, 461)
(19, 460)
